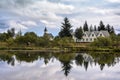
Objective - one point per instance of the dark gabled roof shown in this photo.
(96, 32)
(105, 33)
(88, 33)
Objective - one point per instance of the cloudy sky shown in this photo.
(34, 15)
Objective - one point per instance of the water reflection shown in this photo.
(66, 63)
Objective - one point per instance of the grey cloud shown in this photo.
(56, 1)
(20, 3)
(14, 3)
(3, 26)
(118, 13)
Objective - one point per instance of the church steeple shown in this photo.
(45, 30)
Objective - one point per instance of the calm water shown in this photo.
(59, 66)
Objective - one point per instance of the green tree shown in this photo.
(11, 32)
(95, 28)
(102, 42)
(43, 42)
(101, 26)
(29, 37)
(10, 42)
(115, 40)
(108, 28)
(79, 33)
(19, 33)
(30, 34)
(112, 30)
(64, 42)
(3, 36)
(91, 28)
(66, 30)
(85, 26)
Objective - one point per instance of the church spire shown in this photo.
(45, 30)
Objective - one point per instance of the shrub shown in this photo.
(102, 42)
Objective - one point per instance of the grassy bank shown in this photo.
(63, 49)
(39, 49)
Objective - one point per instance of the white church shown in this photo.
(90, 36)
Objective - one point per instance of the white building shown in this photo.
(90, 36)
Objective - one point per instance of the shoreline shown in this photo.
(55, 50)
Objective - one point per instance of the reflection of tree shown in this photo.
(46, 56)
(102, 66)
(33, 56)
(86, 65)
(27, 57)
(8, 58)
(66, 60)
(79, 60)
(104, 58)
(66, 67)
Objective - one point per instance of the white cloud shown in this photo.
(99, 11)
(29, 23)
(40, 10)
(114, 1)
(16, 25)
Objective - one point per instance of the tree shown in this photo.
(30, 34)
(95, 28)
(91, 28)
(66, 30)
(108, 28)
(63, 42)
(101, 26)
(3, 36)
(102, 42)
(85, 26)
(29, 37)
(11, 32)
(118, 35)
(43, 42)
(112, 30)
(19, 33)
(79, 33)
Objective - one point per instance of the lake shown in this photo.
(59, 66)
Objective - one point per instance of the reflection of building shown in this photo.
(48, 35)
(87, 58)
(90, 36)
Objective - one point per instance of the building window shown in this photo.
(92, 34)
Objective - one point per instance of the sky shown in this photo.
(35, 15)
